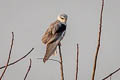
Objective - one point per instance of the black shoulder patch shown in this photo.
(61, 28)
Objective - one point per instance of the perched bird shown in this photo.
(53, 35)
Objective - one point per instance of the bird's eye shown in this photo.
(62, 18)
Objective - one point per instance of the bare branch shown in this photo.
(50, 60)
(18, 59)
(8, 57)
(61, 63)
(111, 74)
(77, 62)
(28, 70)
(98, 45)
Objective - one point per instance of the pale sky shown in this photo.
(29, 19)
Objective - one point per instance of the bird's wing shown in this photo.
(50, 32)
(50, 49)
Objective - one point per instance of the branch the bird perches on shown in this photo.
(61, 63)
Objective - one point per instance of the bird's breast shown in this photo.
(62, 28)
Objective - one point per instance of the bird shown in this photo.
(54, 34)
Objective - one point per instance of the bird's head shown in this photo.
(62, 18)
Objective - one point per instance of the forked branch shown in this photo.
(8, 57)
(18, 59)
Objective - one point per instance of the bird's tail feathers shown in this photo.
(50, 50)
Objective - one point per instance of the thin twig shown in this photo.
(61, 63)
(111, 74)
(18, 59)
(77, 62)
(99, 38)
(50, 60)
(28, 70)
(8, 57)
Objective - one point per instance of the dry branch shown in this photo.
(61, 63)
(18, 59)
(111, 74)
(8, 57)
(98, 45)
(77, 62)
(50, 60)
(28, 70)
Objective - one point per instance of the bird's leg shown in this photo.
(55, 53)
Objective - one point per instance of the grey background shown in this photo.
(28, 19)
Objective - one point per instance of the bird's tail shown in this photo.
(50, 49)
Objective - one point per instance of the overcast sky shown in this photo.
(29, 19)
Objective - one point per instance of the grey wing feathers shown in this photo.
(47, 36)
(50, 32)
